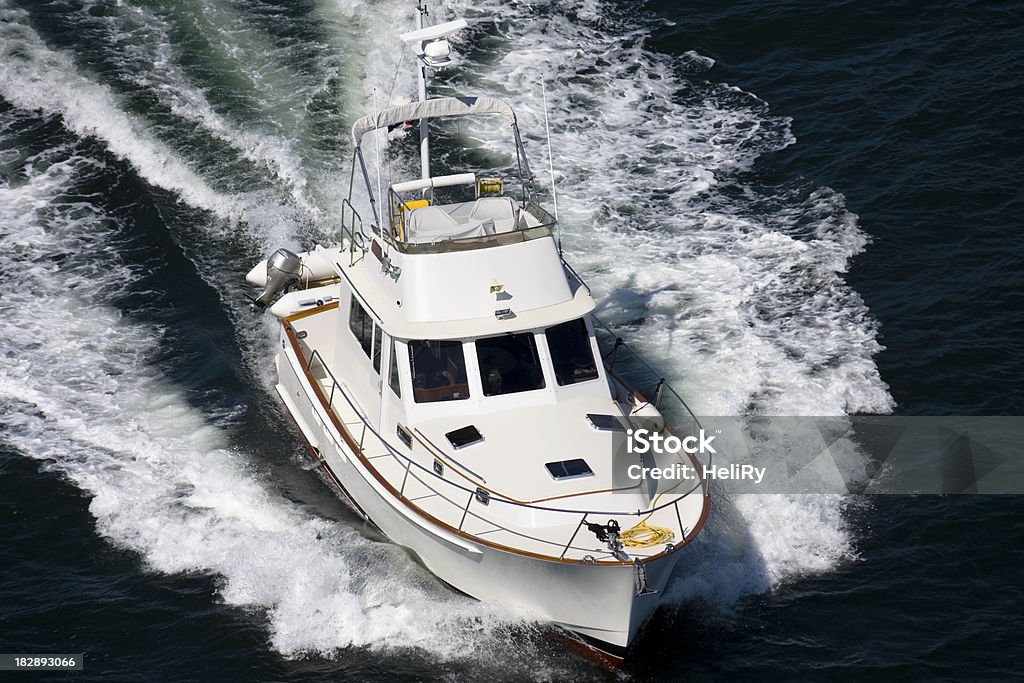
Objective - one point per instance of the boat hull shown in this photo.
(598, 601)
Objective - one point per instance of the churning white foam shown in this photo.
(34, 77)
(79, 393)
(736, 288)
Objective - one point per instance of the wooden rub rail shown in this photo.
(356, 447)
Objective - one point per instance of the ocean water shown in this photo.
(792, 208)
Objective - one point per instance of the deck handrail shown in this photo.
(662, 382)
(315, 354)
(353, 230)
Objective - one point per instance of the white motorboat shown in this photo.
(442, 363)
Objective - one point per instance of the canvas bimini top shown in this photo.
(417, 222)
(433, 108)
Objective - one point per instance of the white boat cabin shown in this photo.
(463, 318)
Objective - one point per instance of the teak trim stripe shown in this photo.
(313, 311)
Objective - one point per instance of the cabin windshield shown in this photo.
(438, 370)
(509, 364)
(571, 353)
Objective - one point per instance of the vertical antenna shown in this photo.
(421, 7)
(380, 189)
(551, 163)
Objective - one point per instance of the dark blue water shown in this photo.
(825, 219)
(911, 113)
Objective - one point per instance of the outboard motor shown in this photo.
(283, 269)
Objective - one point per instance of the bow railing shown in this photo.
(467, 494)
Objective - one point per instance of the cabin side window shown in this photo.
(509, 364)
(571, 353)
(393, 381)
(438, 370)
(367, 333)
(376, 348)
(361, 324)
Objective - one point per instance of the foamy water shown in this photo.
(79, 394)
(738, 295)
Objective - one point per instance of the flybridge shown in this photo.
(478, 210)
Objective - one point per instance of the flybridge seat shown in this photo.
(501, 210)
(433, 224)
(485, 216)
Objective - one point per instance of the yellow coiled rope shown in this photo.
(643, 536)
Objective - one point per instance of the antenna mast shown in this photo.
(421, 7)
(551, 161)
(434, 52)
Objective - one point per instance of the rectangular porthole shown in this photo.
(465, 436)
(405, 435)
(569, 469)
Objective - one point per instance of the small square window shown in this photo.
(464, 436)
(606, 423)
(569, 469)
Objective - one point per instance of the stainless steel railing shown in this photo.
(352, 230)
(450, 490)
